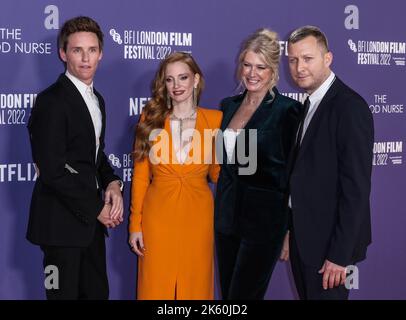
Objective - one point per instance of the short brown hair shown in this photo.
(79, 24)
(306, 31)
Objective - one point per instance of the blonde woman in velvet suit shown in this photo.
(251, 209)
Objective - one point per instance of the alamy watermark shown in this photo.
(352, 277)
(51, 281)
(207, 148)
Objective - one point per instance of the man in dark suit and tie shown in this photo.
(330, 179)
(68, 217)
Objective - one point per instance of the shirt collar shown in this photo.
(317, 95)
(81, 86)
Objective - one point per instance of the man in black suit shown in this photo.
(330, 179)
(68, 217)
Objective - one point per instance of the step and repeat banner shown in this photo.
(367, 38)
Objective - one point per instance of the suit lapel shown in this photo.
(76, 99)
(229, 112)
(258, 117)
(257, 120)
(315, 122)
(103, 113)
(261, 115)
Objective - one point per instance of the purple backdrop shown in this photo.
(366, 38)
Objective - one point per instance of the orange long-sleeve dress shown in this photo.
(172, 205)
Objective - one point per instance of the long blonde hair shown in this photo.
(157, 108)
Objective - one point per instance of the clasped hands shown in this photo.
(112, 212)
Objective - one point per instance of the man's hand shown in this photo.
(333, 275)
(104, 217)
(113, 196)
(285, 248)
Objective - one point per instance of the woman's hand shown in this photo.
(137, 243)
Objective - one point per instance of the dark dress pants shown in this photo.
(307, 279)
(245, 266)
(81, 271)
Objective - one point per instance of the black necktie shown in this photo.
(300, 131)
(302, 119)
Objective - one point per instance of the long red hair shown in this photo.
(157, 108)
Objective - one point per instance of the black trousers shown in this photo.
(309, 283)
(245, 267)
(81, 272)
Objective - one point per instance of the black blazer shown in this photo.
(331, 180)
(254, 206)
(65, 202)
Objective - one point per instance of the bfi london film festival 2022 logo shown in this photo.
(383, 53)
(373, 52)
(15, 106)
(149, 45)
(387, 153)
(124, 164)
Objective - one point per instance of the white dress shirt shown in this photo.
(315, 99)
(92, 104)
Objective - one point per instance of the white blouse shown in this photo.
(230, 138)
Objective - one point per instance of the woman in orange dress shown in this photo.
(171, 221)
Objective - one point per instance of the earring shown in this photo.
(168, 101)
(194, 96)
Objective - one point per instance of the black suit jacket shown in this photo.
(331, 180)
(65, 201)
(254, 206)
